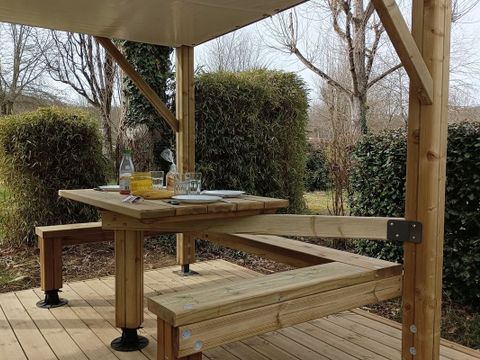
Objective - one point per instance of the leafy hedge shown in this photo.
(251, 133)
(40, 153)
(378, 182)
(317, 175)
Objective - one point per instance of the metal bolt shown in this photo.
(413, 351)
(414, 226)
(186, 333)
(413, 237)
(391, 223)
(198, 345)
(397, 235)
(413, 329)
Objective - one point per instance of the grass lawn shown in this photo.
(318, 202)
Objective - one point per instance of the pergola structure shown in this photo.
(184, 24)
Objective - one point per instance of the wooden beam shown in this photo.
(425, 188)
(406, 48)
(142, 85)
(128, 272)
(229, 328)
(345, 227)
(185, 103)
(50, 263)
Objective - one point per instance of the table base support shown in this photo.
(185, 271)
(129, 341)
(52, 300)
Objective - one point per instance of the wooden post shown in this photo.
(50, 263)
(128, 279)
(167, 343)
(425, 194)
(185, 138)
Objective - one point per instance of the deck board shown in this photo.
(83, 329)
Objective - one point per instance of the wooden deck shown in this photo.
(84, 328)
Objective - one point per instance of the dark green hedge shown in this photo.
(251, 133)
(378, 185)
(40, 153)
(317, 175)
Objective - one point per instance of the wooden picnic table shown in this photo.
(128, 221)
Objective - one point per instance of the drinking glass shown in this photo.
(182, 185)
(157, 179)
(195, 182)
(140, 181)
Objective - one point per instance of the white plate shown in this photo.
(224, 193)
(196, 199)
(112, 188)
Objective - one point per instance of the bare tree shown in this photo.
(358, 34)
(81, 62)
(460, 8)
(236, 51)
(22, 65)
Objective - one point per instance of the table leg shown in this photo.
(185, 253)
(129, 290)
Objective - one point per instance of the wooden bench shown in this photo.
(51, 240)
(190, 322)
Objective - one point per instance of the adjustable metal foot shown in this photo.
(185, 271)
(52, 300)
(129, 341)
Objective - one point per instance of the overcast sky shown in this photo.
(465, 44)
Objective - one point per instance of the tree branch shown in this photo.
(319, 72)
(386, 73)
(373, 51)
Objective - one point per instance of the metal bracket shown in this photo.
(404, 231)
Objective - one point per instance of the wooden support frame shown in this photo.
(142, 85)
(185, 103)
(407, 49)
(425, 191)
(345, 227)
(128, 271)
(51, 240)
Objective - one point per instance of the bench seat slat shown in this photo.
(238, 326)
(57, 231)
(297, 253)
(200, 305)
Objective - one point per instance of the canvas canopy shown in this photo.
(164, 22)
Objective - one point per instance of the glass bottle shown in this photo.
(125, 172)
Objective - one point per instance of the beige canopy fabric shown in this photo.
(164, 22)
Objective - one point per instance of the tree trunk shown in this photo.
(107, 133)
(358, 106)
(6, 107)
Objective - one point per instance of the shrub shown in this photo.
(251, 133)
(317, 176)
(40, 153)
(378, 182)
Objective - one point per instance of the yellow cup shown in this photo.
(140, 181)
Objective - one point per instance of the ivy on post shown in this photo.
(154, 64)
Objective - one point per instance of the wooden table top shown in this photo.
(150, 209)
